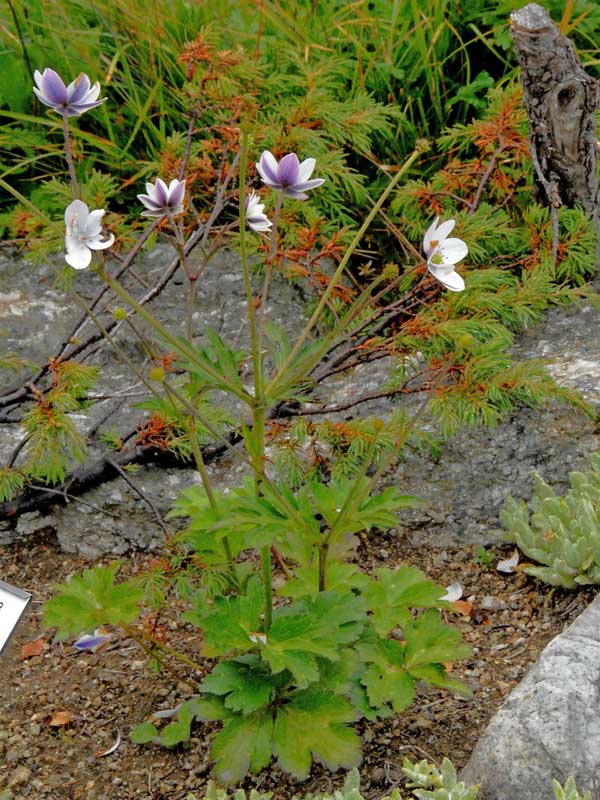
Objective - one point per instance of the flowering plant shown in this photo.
(295, 668)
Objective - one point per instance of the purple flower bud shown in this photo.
(161, 200)
(75, 99)
(288, 175)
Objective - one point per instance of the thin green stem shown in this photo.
(258, 410)
(177, 344)
(69, 156)
(323, 550)
(256, 356)
(149, 643)
(113, 343)
(267, 573)
(189, 274)
(269, 268)
(201, 467)
(272, 389)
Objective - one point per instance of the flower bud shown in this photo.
(157, 374)
(119, 314)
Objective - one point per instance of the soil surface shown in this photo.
(61, 710)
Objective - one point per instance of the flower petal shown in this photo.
(91, 642)
(304, 186)
(267, 168)
(259, 224)
(76, 109)
(294, 195)
(288, 170)
(430, 235)
(452, 251)
(78, 255)
(453, 592)
(149, 202)
(91, 96)
(447, 276)
(162, 192)
(97, 244)
(93, 224)
(176, 193)
(508, 564)
(78, 89)
(306, 169)
(76, 214)
(444, 229)
(53, 87)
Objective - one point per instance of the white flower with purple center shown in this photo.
(161, 200)
(75, 99)
(288, 175)
(443, 253)
(254, 213)
(84, 234)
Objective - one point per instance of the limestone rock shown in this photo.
(549, 726)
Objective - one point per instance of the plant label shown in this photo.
(13, 603)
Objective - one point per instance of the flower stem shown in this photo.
(269, 268)
(201, 467)
(69, 157)
(189, 274)
(258, 410)
(148, 643)
(323, 550)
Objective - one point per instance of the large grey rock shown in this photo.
(549, 726)
(464, 489)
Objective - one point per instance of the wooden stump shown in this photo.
(560, 99)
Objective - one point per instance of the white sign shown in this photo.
(13, 603)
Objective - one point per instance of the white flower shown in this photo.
(256, 219)
(443, 253)
(84, 232)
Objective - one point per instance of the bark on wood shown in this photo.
(560, 99)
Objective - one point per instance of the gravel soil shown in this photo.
(61, 710)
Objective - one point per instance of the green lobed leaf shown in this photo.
(245, 682)
(386, 679)
(312, 628)
(90, 600)
(229, 622)
(431, 641)
(244, 744)
(391, 597)
(314, 724)
(143, 733)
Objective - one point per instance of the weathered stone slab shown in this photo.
(549, 726)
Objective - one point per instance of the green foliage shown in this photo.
(325, 655)
(569, 791)
(430, 783)
(90, 600)
(11, 483)
(52, 441)
(562, 533)
(485, 558)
